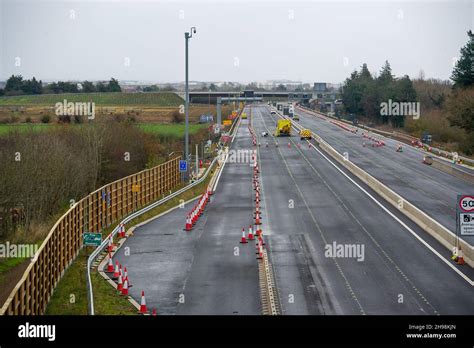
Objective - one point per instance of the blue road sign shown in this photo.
(183, 166)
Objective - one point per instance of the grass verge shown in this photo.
(106, 299)
(7, 264)
(118, 99)
(170, 130)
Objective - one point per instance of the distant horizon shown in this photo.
(307, 41)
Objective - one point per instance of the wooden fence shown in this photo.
(93, 213)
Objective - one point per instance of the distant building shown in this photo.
(320, 87)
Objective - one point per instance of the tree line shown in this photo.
(42, 171)
(17, 85)
(363, 93)
(447, 107)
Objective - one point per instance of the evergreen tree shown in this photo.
(463, 73)
(113, 86)
(88, 87)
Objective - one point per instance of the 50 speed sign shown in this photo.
(466, 204)
(465, 215)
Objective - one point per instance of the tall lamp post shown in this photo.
(187, 36)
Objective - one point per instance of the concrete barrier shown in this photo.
(447, 168)
(447, 238)
(401, 137)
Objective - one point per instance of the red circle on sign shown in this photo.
(463, 209)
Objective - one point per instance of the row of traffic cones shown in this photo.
(252, 133)
(374, 141)
(255, 232)
(121, 234)
(123, 283)
(197, 210)
(119, 275)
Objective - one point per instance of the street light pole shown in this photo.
(187, 36)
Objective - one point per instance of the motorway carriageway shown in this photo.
(397, 274)
(430, 189)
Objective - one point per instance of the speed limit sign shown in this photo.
(466, 204)
(465, 215)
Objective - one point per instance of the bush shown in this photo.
(14, 119)
(28, 119)
(64, 119)
(45, 119)
(177, 117)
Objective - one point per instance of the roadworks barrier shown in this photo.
(99, 210)
(444, 236)
(218, 162)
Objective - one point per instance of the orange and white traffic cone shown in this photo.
(289, 145)
(153, 313)
(143, 309)
(117, 270)
(260, 253)
(111, 245)
(259, 231)
(125, 288)
(243, 240)
(460, 260)
(120, 283)
(122, 231)
(193, 217)
(257, 219)
(189, 225)
(110, 265)
(250, 236)
(257, 246)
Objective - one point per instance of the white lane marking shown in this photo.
(394, 264)
(226, 156)
(321, 233)
(466, 278)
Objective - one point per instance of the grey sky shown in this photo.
(306, 40)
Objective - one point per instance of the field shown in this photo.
(167, 130)
(170, 130)
(119, 99)
(22, 127)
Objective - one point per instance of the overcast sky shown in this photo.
(235, 41)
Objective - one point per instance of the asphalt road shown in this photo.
(430, 189)
(198, 272)
(329, 208)
(307, 204)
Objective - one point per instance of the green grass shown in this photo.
(171, 130)
(9, 263)
(73, 286)
(23, 127)
(162, 99)
(168, 130)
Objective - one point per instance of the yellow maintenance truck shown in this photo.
(283, 128)
(244, 115)
(305, 134)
